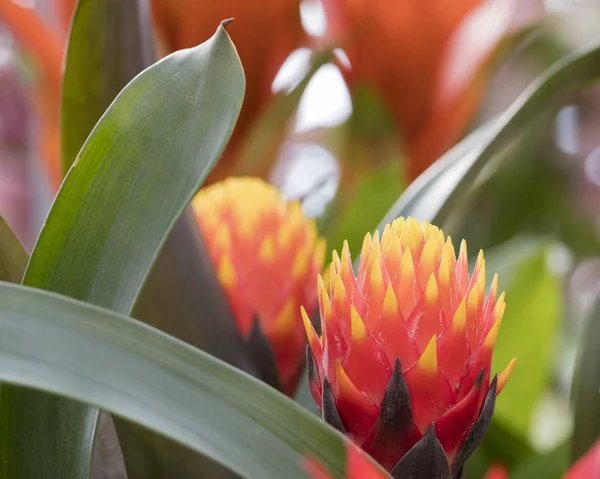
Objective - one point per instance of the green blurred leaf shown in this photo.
(444, 185)
(500, 445)
(550, 465)
(529, 327)
(116, 205)
(586, 387)
(373, 195)
(90, 354)
(13, 257)
(110, 43)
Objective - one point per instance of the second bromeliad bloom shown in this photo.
(266, 255)
(403, 364)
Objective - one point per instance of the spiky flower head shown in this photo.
(266, 255)
(406, 348)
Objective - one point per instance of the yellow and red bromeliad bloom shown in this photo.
(266, 255)
(403, 363)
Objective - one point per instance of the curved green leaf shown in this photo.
(586, 388)
(443, 185)
(134, 371)
(99, 64)
(141, 165)
(13, 257)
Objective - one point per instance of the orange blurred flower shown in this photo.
(264, 33)
(426, 59)
(266, 254)
(403, 363)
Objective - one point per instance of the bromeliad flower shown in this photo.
(358, 466)
(403, 364)
(266, 254)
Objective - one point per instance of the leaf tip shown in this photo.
(226, 22)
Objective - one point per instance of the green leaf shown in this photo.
(586, 387)
(183, 298)
(373, 195)
(110, 43)
(13, 257)
(550, 465)
(447, 182)
(134, 371)
(529, 327)
(141, 165)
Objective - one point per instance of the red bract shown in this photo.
(266, 255)
(403, 364)
(358, 466)
(588, 466)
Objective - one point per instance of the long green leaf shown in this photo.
(13, 257)
(446, 183)
(97, 68)
(141, 165)
(586, 388)
(109, 44)
(86, 353)
(183, 298)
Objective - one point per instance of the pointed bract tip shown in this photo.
(505, 375)
(226, 22)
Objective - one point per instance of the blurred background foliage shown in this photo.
(347, 103)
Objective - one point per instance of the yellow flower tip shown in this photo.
(295, 213)
(300, 264)
(376, 278)
(339, 293)
(494, 286)
(407, 266)
(366, 246)
(505, 375)
(342, 382)
(463, 249)
(267, 250)
(319, 253)
(287, 316)
(443, 274)
(473, 300)
(431, 290)
(320, 284)
(390, 303)
(376, 238)
(345, 249)
(335, 261)
(492, 335)
(223, 239)
(226, 272)
(310, 331)
(499, 307)
(428, 360)
(357, 325)
(460, 317)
